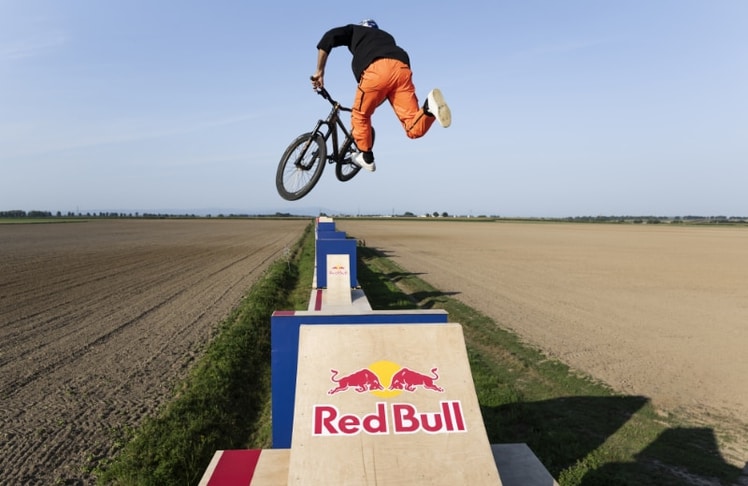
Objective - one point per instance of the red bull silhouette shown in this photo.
(362, 380)
(407, 379)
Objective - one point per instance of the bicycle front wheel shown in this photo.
(301, 166)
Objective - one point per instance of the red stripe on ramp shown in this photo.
(235, 467)
(284, 313)
(318, 300)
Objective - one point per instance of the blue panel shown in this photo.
(326, 226)
(331, 235)
(284, 339)
(335, 247)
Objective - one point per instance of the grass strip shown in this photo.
(224, 402)
(582, 431)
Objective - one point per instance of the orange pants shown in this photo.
(387, 79)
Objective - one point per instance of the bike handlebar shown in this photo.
(326, 95)
(323, 93)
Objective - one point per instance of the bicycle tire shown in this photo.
(346, 170)
(297, 175)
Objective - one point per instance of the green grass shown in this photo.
(583, 432)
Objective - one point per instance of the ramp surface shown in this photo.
(387, 404)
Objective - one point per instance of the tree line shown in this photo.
(21, 214)
(691, 219)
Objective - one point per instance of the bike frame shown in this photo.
(333, 124)
(303, 161)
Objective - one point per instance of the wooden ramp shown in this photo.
(397, 407)
(383, 404)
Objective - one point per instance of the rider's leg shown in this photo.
(372, 91)
(405, 103)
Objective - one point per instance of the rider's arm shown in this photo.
(339, 36)
(318, 78)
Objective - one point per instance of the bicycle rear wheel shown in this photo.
(301, 166)
(346, 169)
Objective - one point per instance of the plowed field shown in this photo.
(98, 321)
(654, 310)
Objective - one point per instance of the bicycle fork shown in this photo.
(299, 163)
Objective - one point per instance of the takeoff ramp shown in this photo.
(398, 406)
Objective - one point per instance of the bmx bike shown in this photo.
(301, 165)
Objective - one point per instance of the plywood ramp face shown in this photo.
(338, 281)
(387, 404)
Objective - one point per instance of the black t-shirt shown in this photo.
(367, 44)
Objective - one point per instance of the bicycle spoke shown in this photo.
(296, 178)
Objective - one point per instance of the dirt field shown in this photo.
(653, 310)
(97, 322)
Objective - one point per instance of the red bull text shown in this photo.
(403, 418)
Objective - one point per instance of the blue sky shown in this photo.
(560, 108)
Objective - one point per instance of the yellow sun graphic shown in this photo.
(385, 370)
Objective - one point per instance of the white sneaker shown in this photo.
(438, 107)
(358, 159)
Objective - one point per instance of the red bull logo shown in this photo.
(386, 379)
(407, 379)
(337, 270)
(361, 381)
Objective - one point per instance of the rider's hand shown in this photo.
(318, 80)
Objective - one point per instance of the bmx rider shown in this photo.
(382, 70)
